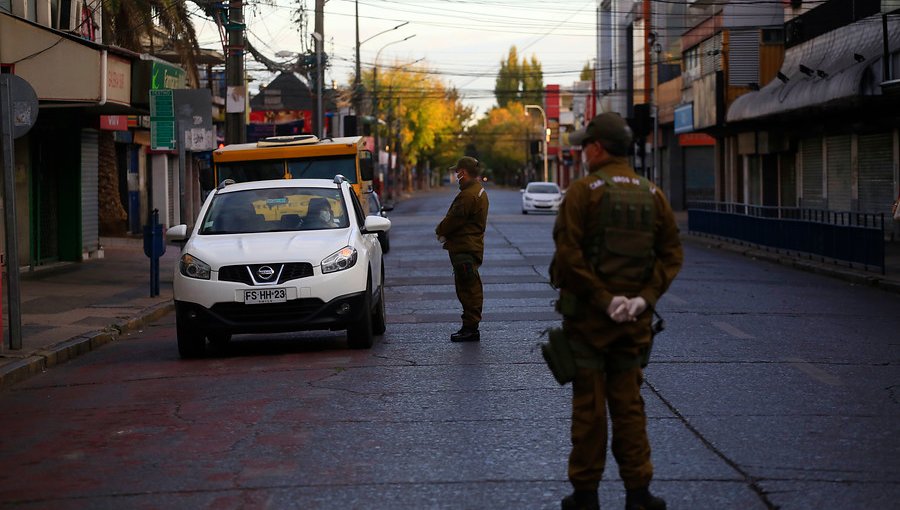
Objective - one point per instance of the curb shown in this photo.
(855, 276)
(43, 359)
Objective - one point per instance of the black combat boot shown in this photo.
(466, 334)
(641, 499)
(581, 500)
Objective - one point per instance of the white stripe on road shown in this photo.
(731, 330)
(815, 372)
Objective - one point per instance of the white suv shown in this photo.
(275, 256)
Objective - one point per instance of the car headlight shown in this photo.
(342, 259)
(192, 267)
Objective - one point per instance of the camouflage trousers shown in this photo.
(468, 287)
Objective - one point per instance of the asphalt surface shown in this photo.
(771, 388)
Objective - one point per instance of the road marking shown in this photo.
(815, 372)
(733, 331)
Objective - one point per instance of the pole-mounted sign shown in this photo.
(18, 113)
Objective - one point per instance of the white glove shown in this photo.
(618, 309)
(636, 306)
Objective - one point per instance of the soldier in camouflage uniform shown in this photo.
(462, 234)
(617, 251)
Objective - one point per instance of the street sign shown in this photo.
(18, 113)
(23, 103)
(162, 120)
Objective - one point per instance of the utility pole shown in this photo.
(235, 121)
(320, 72)
(356, 81)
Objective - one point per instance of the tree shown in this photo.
(587, 73)
(423, 119)
(132, 24)
(501, 140)
(519, 82)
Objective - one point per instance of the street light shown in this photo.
(357, 78)
(375, 98)
(546, 133)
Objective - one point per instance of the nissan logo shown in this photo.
(265, 272)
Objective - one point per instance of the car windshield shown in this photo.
(543, 188)
(275, 210)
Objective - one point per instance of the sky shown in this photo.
(461, 41)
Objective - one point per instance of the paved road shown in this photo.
(771, 388)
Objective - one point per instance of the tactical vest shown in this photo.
(620, 245)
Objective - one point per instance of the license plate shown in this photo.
(262, 296)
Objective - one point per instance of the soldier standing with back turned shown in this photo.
(617, 251)
(462, 234)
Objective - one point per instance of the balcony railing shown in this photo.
(853, 237)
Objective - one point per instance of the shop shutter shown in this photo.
(839, 186)
(876, 179)
(743, 57)
(700, 177)
(788, 176)
(90, 189)
(811, 154)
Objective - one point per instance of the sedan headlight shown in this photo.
(192, 267)
(342, 259)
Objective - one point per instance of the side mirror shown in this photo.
(177, 234)
(366, 166)
(377, 224)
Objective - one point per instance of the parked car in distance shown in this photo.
(377, 208)
(276, 256)
(541, 196)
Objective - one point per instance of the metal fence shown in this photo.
(857, 238)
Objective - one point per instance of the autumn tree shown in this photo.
(521, 82)
(422, 120)
(501, 139)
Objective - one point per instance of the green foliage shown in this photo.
(519, 82)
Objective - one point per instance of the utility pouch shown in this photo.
(656, 327)
(559, 356)
(463, 267)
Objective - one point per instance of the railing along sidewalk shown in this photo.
(853, 237)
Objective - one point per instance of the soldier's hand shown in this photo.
(618, 309)
(636, 306)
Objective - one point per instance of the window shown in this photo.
(275, 210)
(324, 168)
(773, 36)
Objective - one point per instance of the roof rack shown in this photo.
(275, 141)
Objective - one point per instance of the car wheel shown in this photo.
(524, 211)
(378, 320)
(385, 242)
(191, 341)
(360, 335)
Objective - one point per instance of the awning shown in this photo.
(843, 64)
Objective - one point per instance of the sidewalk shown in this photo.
(70, 309)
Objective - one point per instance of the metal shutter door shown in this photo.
(700, 176)
(788, 175)
(839, 186)
(876, 179)
(743, 57)
(90, 195)
(811, 152)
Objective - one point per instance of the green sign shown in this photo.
(162, 120)
(167, 77)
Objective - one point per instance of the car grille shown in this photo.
(243, 274)
(291, 311)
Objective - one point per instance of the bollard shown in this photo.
(154, 247)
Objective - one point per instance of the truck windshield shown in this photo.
(324, 167)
